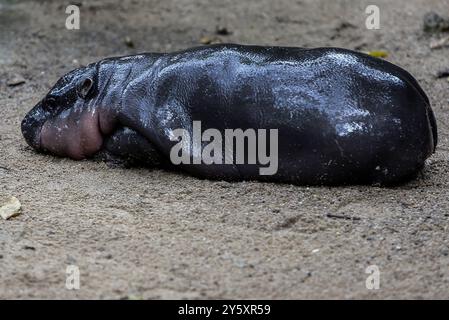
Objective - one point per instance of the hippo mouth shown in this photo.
(73, 133)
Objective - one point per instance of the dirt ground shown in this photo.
(139, 233)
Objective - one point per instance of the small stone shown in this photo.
(209, 40)
(439, 43)
(10, 208)
(205, 40)
(129, 42)
(223, 31)
(443, 74)
(16, 80)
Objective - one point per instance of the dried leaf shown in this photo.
(378, 53)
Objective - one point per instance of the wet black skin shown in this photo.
(342, 117)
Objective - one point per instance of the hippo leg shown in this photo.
(126, 147)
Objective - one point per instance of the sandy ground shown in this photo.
(138, 233)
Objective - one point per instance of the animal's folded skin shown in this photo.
(342, 117)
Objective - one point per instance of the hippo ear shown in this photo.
(84, 87)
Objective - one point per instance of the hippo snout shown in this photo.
(32, 126)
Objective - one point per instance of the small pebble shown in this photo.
(439, 43)
(16, 80)
(223, 31)
(129, 42)
(205, 40)
(443, 74)
(209, 40)
(10, 208)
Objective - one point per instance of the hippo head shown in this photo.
(68, 121)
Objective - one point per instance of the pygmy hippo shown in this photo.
(321, 116)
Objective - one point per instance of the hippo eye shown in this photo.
(49, 103)
(84, 88)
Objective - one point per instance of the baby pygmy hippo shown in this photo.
(321, 116)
